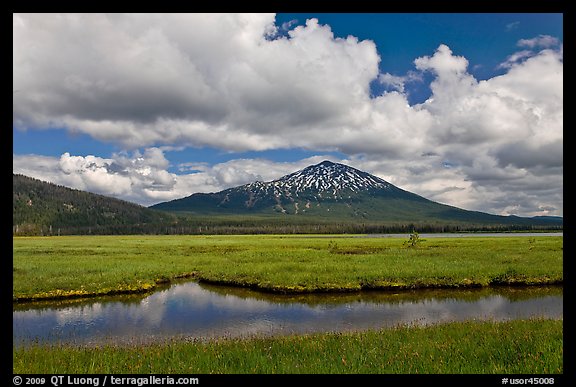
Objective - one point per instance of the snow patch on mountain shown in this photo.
(323, 180)
(330, 177)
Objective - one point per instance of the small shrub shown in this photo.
(414, 239)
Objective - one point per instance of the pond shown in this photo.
(193, 311)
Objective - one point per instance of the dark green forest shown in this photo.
(41, 208)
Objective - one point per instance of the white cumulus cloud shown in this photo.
(238, 82)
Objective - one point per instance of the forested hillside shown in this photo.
(41, 208)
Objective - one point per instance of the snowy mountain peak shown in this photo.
(331, 177)
(329, 191)
(323, 180)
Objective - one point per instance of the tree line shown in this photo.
(192, 228)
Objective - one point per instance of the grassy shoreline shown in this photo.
(74, 267)
(532, 346)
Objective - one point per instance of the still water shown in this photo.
(193, 311)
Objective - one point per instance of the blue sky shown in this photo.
(464, 109)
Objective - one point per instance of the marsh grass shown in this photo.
(65, 267)
(73, 266)
(513, 347)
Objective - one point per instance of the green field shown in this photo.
(513, 347)
(52, 267)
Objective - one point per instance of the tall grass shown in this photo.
(512, 347)
(48, 267)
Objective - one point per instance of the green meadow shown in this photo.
(66, 267)
(78, 266)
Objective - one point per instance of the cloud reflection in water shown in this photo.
(197, 311)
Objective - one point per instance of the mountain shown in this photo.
(45, 208)
(334, 191)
